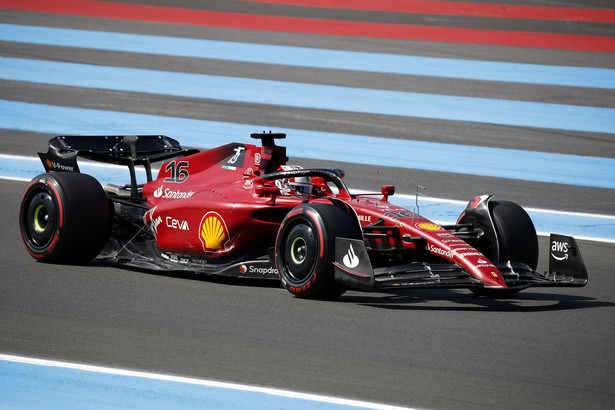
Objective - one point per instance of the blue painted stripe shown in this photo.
(443, 211)
(581, 226)
(326, 97)
(28, 385)
(312, 57)
(408, 154)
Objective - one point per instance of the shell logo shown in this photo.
(429, 226)
(213, 233)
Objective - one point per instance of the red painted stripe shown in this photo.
(174, 15)
(456, 8)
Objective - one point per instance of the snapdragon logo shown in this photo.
(259, 270)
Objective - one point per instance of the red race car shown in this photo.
(240, 210)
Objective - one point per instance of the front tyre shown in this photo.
(516, 233)
(305, 249)
(64, 217)
(517, 240)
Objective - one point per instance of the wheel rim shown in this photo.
(41, 217)
(300, 252)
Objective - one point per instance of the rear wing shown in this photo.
(129, 150)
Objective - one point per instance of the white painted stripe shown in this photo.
(409, 198)
(581, 225)
(201, 382)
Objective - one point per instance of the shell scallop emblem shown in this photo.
(213, 234)
(429, 226)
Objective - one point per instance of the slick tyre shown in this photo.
(305, 249)
(517, 237)
(517, 240)
(64, 217)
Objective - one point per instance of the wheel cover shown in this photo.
(300, 252)
(41, 218)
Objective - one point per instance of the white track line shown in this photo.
(201, 382)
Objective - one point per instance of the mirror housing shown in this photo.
(387, 191)
(266, 190)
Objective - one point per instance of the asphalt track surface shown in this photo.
(432, 349)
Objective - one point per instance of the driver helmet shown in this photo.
(294, 185)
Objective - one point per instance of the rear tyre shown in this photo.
(517, 239)
(305, 249)
(64, 217)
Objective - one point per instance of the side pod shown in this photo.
(565, 262)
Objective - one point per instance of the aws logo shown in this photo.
(213, 233)
(560, 247)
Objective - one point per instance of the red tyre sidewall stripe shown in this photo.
(315, 218)
(53, 244)
(36, 255)
(292, 213)
(59, 202)
(57, 237)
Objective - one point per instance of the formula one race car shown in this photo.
(239, 210)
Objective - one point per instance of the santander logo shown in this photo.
(160, 192)
(351, 260)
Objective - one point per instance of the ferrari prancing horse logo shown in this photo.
(213, 233)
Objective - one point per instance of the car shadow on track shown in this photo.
(188, 275)
(439, 299)
(462, 300)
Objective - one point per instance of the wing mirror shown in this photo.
(265, 190)
(387, 191)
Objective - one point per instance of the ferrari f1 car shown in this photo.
(239, 210)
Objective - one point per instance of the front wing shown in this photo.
(353, 268)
